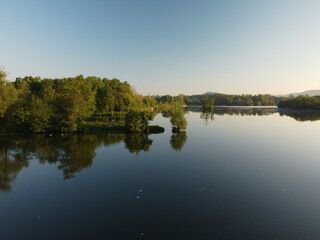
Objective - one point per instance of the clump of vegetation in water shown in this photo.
(138, 121)
(178, 121)
(207, 103)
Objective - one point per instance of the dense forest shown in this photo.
(301, 102)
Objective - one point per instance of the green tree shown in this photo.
(40, 116)
(16, 118)
(8, 93)
(178, 121)
(208, 102)
(137, 121)
(75, 101)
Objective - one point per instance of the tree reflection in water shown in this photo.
(299, 115)
(71, 153)
(14, 156)
(178, 140)
(207, 115)
(137, 142)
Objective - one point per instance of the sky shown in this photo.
(167, 46)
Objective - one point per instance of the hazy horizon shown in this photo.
(167, 47)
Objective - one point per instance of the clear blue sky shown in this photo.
(167, 46)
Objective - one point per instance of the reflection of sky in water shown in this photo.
(249, 177)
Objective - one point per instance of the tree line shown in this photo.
(232, 100)
(301, 102)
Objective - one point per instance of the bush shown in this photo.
(138, 121)
(178, 121)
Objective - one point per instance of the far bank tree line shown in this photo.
(233, 100)
(301, 102)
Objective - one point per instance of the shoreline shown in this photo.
(153, 129)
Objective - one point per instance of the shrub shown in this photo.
(138, 121)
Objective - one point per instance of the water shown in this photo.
(235, 174)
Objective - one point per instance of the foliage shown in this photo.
(233, 100)
(8, 93)
(166, 103)
(32, 104)
(138, 121)
(178, 121)
(207, 102)
(301, 102)
(40, 115)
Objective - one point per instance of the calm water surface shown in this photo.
(234, 174)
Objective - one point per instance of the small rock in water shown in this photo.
(141, 234)
(137, 196)
(284, 189)
(140, 190)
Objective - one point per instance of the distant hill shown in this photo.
(310, 93)
(210, 93)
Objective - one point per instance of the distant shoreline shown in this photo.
(227, 106)
(263, 107)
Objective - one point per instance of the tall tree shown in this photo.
(8, 93)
